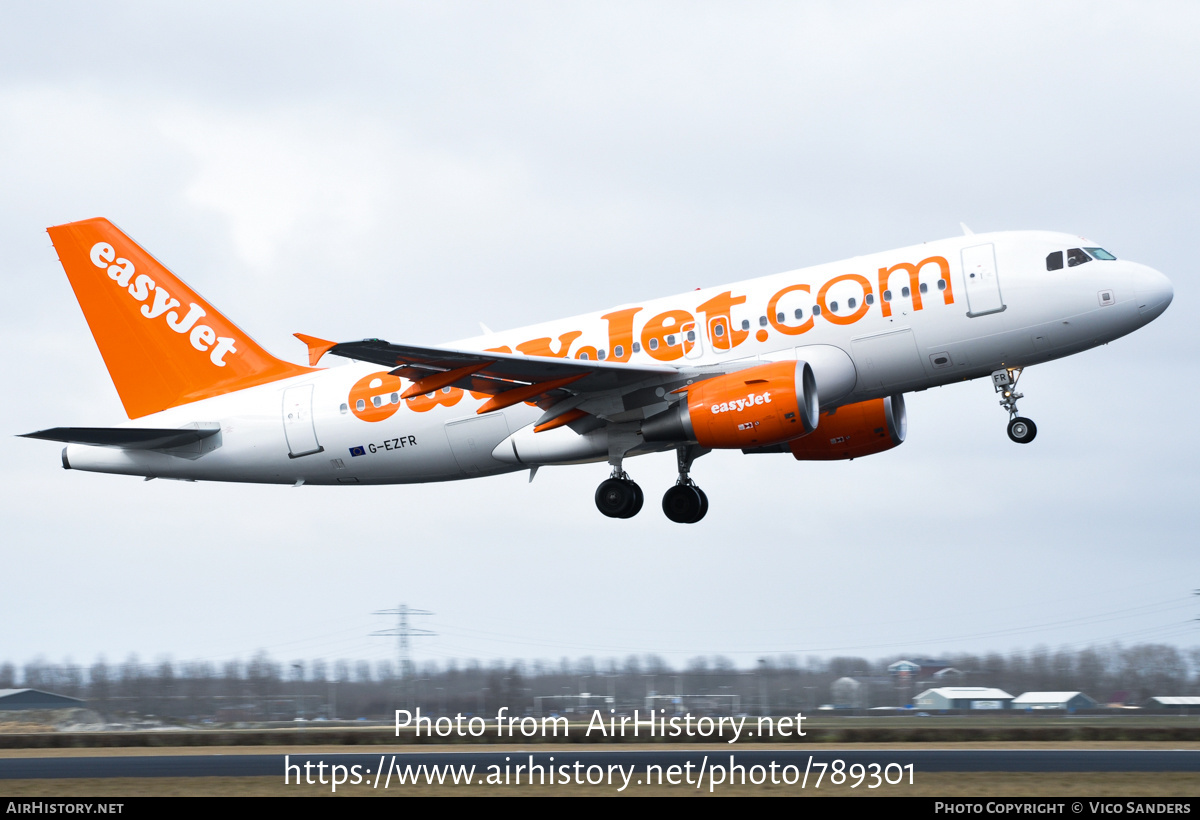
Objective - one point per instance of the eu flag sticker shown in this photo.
(357, 451)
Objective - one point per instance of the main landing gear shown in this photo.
(685, 503)
(619, 496)
(1020, 429)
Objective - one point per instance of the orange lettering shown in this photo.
(620, 334)
(541, 347)
(774, 320)
(717, 315)
(447, 396)
(826, 313)
(662, 326)
(914, 281)
(371, 396)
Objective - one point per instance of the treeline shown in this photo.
(268, 689)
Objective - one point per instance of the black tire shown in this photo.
(1022, 430)
(638, 499)
(703, 505)
(615, 497)
(683, 504)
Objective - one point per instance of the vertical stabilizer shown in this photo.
(163, 344)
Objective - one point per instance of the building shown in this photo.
(12, 700)
(1067, 701)
(963, 697)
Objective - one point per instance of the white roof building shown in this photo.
(963, 697)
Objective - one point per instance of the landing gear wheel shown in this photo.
(1022, 430)
(638, 499)
(619, 498)
(685, 504)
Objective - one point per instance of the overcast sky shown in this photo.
(408, 170)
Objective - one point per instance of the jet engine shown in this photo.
(860, 429)
(757, 407)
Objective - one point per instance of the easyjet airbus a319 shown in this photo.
(812, 363)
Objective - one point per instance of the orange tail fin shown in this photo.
(163, 344)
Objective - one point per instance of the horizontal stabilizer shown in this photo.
(128, 438)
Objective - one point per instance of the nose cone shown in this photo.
(1154, 293)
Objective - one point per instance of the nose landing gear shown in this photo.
(1020, 429)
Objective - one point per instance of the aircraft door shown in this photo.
(298, 422)
(983, 283)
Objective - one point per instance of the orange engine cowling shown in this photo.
(763, 405)
(856, 430)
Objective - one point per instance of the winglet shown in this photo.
(316, 347)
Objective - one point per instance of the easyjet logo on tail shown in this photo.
(139, 286)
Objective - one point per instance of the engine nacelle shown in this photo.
(757, 407)
(856, 430)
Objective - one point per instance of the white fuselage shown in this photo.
(978, 303)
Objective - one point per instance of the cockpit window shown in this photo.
(1100, 253)
(1054, 261)
(1076, 256)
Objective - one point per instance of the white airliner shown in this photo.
(812, 362)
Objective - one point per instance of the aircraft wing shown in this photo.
(513, 377)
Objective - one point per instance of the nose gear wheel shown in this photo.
(1020, 429)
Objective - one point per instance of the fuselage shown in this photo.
(872, 326)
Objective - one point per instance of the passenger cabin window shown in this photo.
(799, 314)
(637, 347)
(1076, 256)
(816, 310)
(870, 298)
(745, 324)
(619, 351)
(653, 343)
(600, 355)
(1054, 261)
